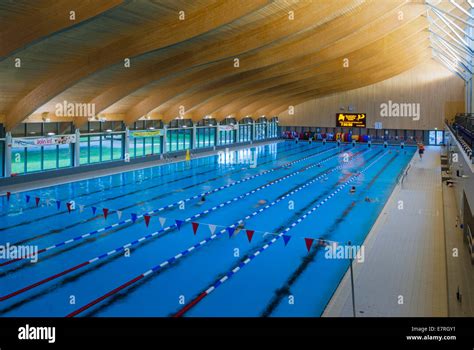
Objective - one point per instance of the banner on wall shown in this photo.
(44, 141)
(227, 127)
(351, 120)
(150, 133)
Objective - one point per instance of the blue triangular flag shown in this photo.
(27, 198)
(286, 239)
(134, 217)
(58, 204)
(179, 223)
(231, 231)
(94, 209)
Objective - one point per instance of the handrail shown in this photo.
(402, 175)
(465, 146)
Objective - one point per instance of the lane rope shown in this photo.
(154, 234)
(244, 263)
(203, 242)
(167, 207)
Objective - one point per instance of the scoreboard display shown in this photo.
(351, 120)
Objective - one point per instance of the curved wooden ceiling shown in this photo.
(288, 51)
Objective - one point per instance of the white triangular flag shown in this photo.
(48, 202)
(81, 208)
(119, 214)
(162, 221)
(212, 228)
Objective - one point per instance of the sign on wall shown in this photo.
(44, 141)
(227, 127)
(351, 120)
(150, 133)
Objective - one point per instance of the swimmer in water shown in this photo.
(202, 200)
(239, 227)
(352, 190)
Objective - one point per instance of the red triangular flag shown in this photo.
(195, 227)
(8, 195)
(250, 234)
(147, 219)
(309, 243)
(106, 212)
(68, 205)
(37, 199)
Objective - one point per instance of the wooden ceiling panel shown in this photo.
(191, 62)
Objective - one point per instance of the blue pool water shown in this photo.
(120, 267)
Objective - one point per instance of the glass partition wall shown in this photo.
(48, 146)
(146, 138)
(28, 157)
(227, 131)
(206, 133)
(179, 135)
(246, 129)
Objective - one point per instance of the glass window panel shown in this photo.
(19, 130)
(34, 159)
(84, 153)
(65, 128)
(2, 162)
(50, 128)
(157, 145)
(117, 146)
(106, 147)
(94, 127)
(139, 147)
(131, 147)
(18, 160)
(148, 146)
(50, 157)
(33, 129)
(94, 149)
(65, 155)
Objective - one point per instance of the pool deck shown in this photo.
(405, 272)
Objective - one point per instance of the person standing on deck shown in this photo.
(421, 149)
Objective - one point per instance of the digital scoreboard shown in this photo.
(351, 120)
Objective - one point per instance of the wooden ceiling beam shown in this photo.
(223, 103)
(167, 32)
(290, 54)
(359, 80)
(47, 21)
(234, 47)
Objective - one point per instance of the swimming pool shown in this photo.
(143, 243)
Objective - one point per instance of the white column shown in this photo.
(77, 148)
(254, 128)
(126, 144)
(165, 139)
(194, 144)
(8, 154)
